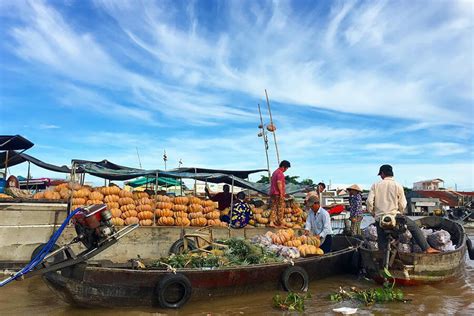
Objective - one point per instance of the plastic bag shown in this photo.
(404, 247)
(426, 232)
(370, 233)
(448, 247)
(439, 239)
(371, 245)
(405, 237)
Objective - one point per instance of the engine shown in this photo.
(93, 224)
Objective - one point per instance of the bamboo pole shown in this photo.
(274, 132)
(265, 140)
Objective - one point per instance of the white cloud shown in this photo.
(48, 126)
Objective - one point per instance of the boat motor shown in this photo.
(393, 226)
(93, 224)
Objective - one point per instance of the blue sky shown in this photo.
(352, 84)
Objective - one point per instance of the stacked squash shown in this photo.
(294, 215)
(306, 245)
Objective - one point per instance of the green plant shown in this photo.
(292, 302)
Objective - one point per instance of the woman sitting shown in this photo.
(241, 213)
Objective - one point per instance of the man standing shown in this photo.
(277, 195)
(387, 197)
(318, 191)
(319, 223)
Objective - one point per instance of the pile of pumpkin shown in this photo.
(295, 217)
(138, 207)
(306, 245)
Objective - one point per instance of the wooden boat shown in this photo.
(415, 269)
(91, 285)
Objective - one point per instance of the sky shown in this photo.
(351, 84)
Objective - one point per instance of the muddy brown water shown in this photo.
(456, 297)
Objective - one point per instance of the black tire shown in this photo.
(60, 256)
(178, 246)
(173, 291)
(470, 249)
(295, 279)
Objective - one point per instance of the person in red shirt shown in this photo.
(277, 195)
(222, 198)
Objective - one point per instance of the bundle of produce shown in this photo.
(406, 237)
(239, 252)
(305, 245)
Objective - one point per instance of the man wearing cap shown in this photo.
(277, 194)
(317, 191)
(355, 208)
(318, 223)
(387, 197)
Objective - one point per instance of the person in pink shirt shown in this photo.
(277, 195)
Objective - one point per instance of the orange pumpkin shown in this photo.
(78, 201)
(200, 221)
(144, 201)
(116, 212)
(111, 198)
(124, 194)
(213, 215)
(165, 221)
(144, 208)
(194, 208)
(165, 213)
(195, 200)
(117, 221)
(146, 222)
(214, 222)
(127, 207)
(179, 208)
(96, 195)
(111, 205)
(38, 196)
(162, 198)
(92, 202)
(164, 205)
(182, 221)
(130, 213)
(179, 214)
(65, 193)
(182, 200)
(145, 215)
(195, 215)
(131, 220)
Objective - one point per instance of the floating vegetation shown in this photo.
(292, 302)
(369, 296)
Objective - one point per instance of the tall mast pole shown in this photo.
(273, 132)
(265, 140)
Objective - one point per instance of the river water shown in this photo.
(455, 297)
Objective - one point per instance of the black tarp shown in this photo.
(14, 142)
(15, 158)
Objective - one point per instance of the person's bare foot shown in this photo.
(272, 225)
(432, 250)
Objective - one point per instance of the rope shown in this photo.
(40, 256)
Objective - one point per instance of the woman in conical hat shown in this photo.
(355, 208)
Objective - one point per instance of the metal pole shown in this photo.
(231, 201)
(195, 182)
(28, 177)
(156, 184)
(6, 163)
(265, 140)
(271, 122)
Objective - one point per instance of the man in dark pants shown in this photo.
(318, 223)
(387, 197)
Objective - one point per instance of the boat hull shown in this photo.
(86, 285)
(416, 269)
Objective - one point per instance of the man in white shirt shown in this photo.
(318, 223)
(387, 197)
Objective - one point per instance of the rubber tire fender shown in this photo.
(176, 247)
(57, 258)
(291, 272)
(164, 284)
(470, 249)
